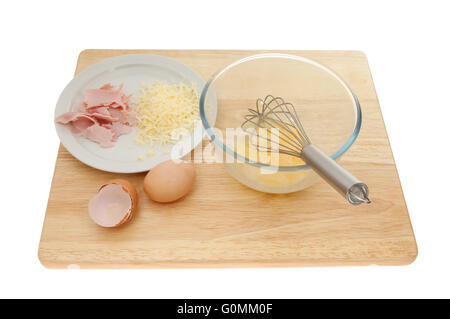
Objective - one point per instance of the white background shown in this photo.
(407, 44)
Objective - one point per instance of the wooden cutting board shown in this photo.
(225, 224)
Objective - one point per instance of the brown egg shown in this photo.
(169, 181)
(114, 204)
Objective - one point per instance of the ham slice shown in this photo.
(82, 107)
(131, 117)
(81, 124)
(119, 129)
(102, 117)
(119, 114)
(100, 135)
(108, 86)
(78, 121)
(100, 110)
(70, 117)
(127, 117)
(86, 126)
(106, 95)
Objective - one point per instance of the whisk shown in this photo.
(275, 127)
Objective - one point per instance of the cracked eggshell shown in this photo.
(114, 204)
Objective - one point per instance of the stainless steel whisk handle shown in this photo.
(345, 183)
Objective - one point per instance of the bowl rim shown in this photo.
(239, 157)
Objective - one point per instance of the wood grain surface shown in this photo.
(225, 224)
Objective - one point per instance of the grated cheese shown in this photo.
(166, 113)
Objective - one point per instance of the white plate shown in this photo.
(132, 70)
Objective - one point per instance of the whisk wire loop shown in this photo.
(276, 122)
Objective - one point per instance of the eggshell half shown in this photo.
(169, 181)
(114, 204)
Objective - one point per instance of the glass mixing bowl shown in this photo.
(328, 110)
